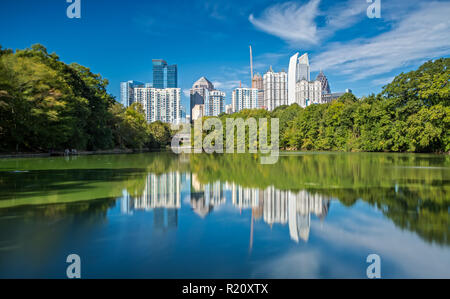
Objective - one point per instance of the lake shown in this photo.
(160, 215)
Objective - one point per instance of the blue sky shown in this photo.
(118, 39)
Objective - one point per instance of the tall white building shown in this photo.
(308, 93)
(160, 104)
(275, 89)
(214, 102)
(244, 98)
(298, 70)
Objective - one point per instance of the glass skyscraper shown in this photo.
(127, 92)
(164, 75)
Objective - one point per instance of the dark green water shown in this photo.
(159, 215)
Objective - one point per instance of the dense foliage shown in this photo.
(46, 104)
(411, 114)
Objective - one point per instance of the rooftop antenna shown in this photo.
(251, 65)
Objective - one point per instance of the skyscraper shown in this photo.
(214, 102)
(258, 83)
(127, 92)
(275, 89)
(303, 68)
(298, 70)
(308, 92)
(324, 81)
(199, 91)
(160, 104)
(244, 98)
(164, 75)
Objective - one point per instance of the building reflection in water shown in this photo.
(162, 195)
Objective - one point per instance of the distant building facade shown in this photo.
(199, 92)
(244, 98)
(298, 70)
(258, 83)
(214, 102)
(275, 89)
(127, 92)
(324, 82)
(160, 104)
(328, 97)
(164, 75)
(308, 92)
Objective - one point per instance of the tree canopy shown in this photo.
(46, 104)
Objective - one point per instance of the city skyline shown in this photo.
(164, 194)
(328, 31)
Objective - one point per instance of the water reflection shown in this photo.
(307, 209)
(162, 195)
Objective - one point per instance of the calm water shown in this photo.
(160, 215)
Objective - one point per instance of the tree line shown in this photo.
(411, 114)
(46, 104)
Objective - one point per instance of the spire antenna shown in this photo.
(251, 65)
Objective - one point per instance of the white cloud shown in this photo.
(290, 21)
(227, 84)
(421, 35)
(297, 25)
(383, 81)
(187, 93)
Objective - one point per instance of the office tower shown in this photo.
(214, 103)
(275, 89)
(198, 92)
(324, 81)
(258, 83)
(303, 68)
(164, 75)
(197, 112)
(160, 104)
(244, 98)
(307, 93)
(127, 92)
(298, 70)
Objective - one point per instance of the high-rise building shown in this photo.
(244, 98)
(258, 83)
(160, 104)
(324, 81)
(275, 89)
(298, 70)
(214, 102)
(164, 75)
(127, 92)
(199, 92)
(308, 93)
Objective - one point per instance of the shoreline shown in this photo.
(137, 151)
(79, 153)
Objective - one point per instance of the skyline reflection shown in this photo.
(162, 196)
